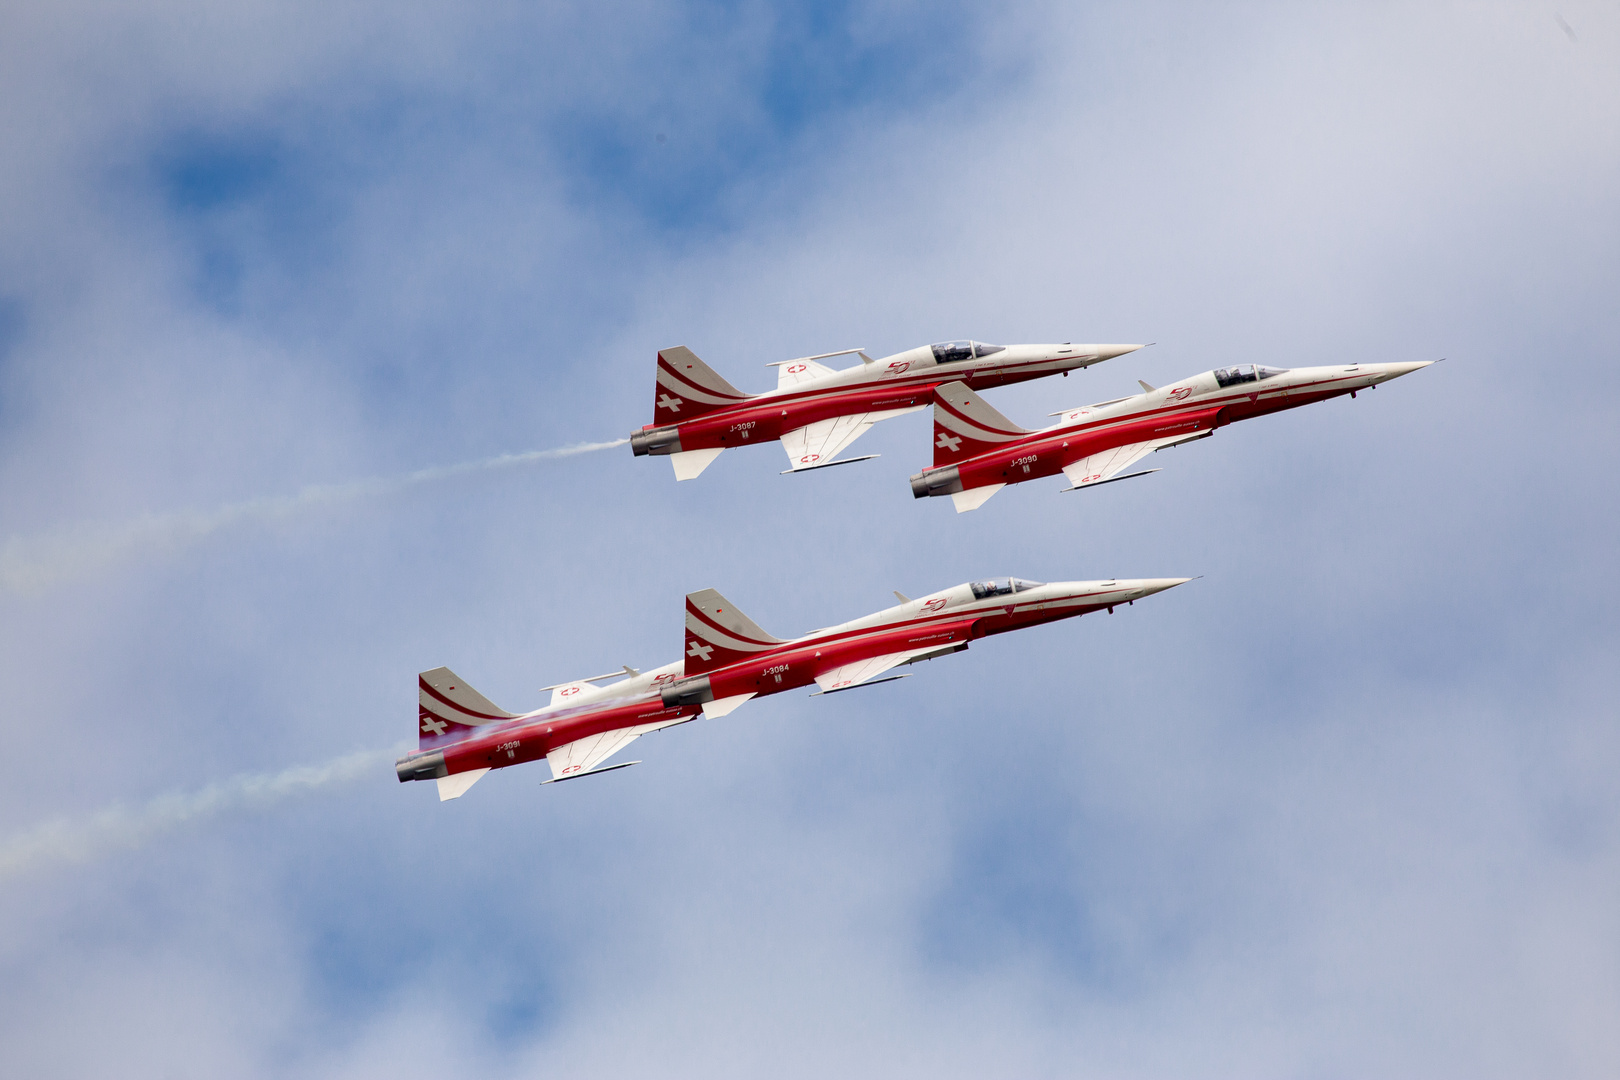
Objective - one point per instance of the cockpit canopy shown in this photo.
(1231, 376)
(1001, 586)
(949, 352)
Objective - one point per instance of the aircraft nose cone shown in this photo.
(1150, 586)
(1395, 371)
(1108, 352)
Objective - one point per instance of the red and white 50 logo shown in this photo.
(899, 367)
(1181, 393)
(935, 604)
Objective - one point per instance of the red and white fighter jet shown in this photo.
(729, 660)
(977, 451)
(817, 412)
(462, 735)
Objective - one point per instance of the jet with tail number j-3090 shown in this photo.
(728, 661)
(977, 451)
(817, 412)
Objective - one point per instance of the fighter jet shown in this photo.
(462, 735)
(729, 660)
(817, 412)
(977, 451)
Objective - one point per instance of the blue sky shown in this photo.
(1344, 806)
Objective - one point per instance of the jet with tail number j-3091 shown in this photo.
(817, 412)
(977, 451)
(728, 661)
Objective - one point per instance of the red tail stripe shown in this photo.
(697, 386)
(459, 708)
(980, 424)
(692, 609)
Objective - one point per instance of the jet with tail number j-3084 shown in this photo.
(817, 412)
(977, 451)
(728, 661)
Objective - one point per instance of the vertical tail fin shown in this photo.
(687, 387)
(449, 710)
(718, 634)
(965, 425)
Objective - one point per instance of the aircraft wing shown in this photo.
(800, 371)
(819, 443)
(1107, 463)
(842, 678)
(1104, 464)
(583, 755)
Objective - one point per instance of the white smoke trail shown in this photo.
(34, 563)
(124, 827)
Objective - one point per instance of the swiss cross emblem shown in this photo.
(947, 441)
(673, 404)
(699, 650)
(432, 725)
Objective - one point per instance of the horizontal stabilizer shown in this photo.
(725, 706)
(455, 785)
(689, 464)
(973, 498)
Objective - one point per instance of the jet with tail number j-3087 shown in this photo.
(817, 412)
(728, 661)
(977, 451)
